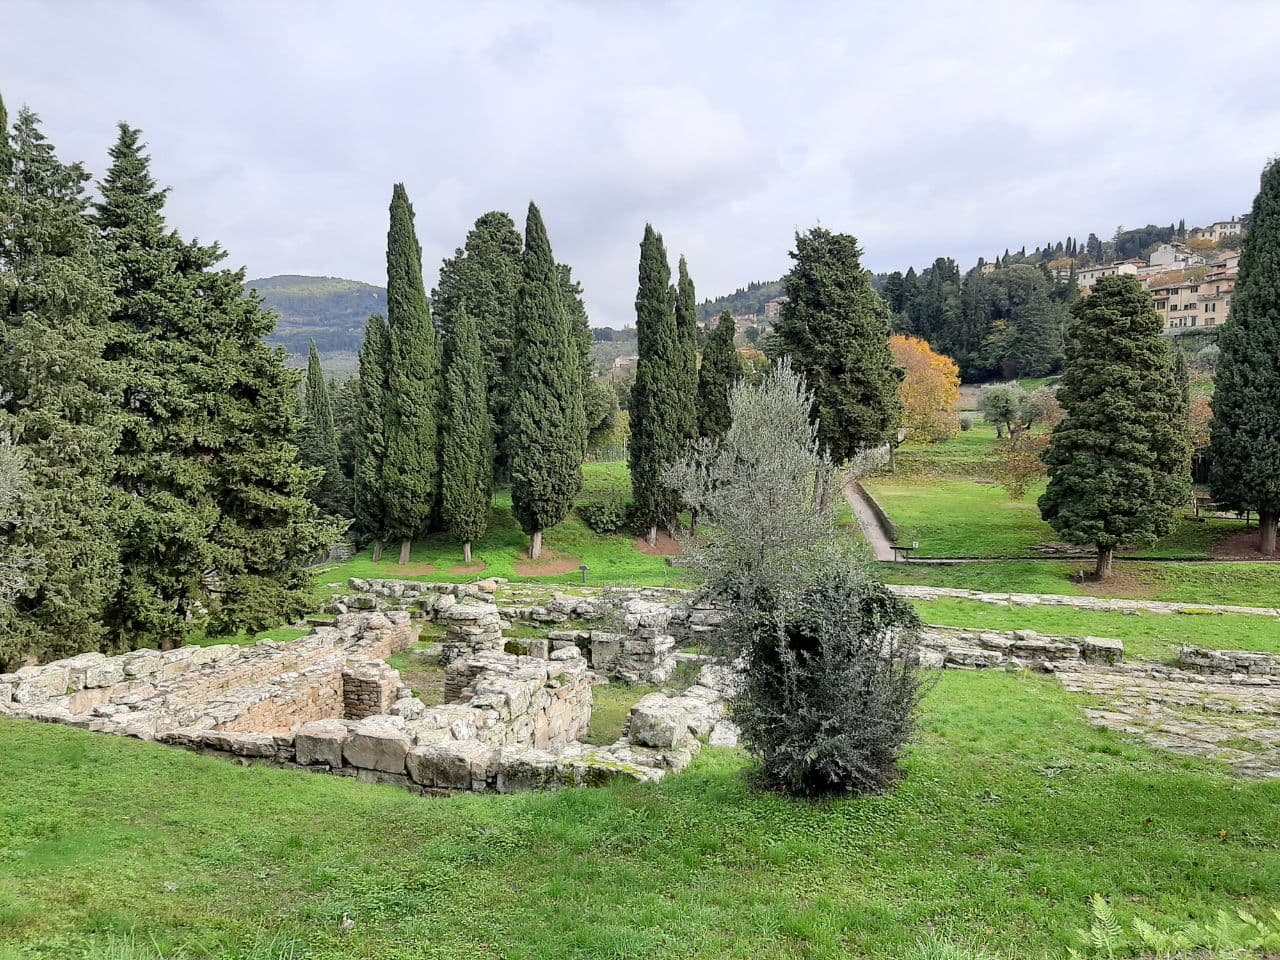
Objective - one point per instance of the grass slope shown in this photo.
(1144, 635)
(1012, 814)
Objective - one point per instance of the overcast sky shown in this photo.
(924, 128)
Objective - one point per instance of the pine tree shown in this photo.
(411, 468)
(1246, 400)
(658, 397)
(546, 410)
(484, 274)
(164, 462)
(687, 331)
(721, 369)
(370, 435)
(5, 149)
(835, 329)
(59, 402)
(318, 445)
(466, 448)
(1118, 461)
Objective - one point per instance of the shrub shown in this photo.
(966, 424)
(607, 514)
(831, 691)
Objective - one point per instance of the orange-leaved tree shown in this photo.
(929, 390)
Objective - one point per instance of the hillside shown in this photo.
(743, 301)
(330, 310)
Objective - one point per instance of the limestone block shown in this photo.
(520, 770)
(454, 765)
(724, 734)
(655, 722)
(408, 707)
(241, 744)
(1102, 650)
(36, 685)
(378, 743)
(320, 741)
(570, 652)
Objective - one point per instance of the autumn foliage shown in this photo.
(928, 391)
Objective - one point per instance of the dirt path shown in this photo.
(872, 532)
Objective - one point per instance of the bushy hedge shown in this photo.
(832, 687)
(607, 514)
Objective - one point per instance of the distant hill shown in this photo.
(743, 301)
(330, 310)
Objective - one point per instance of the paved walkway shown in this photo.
(872, 531)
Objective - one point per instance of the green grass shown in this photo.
(610, 706)
(610, 559)
(1144, 635)
(199, 638)
(1012, 813)
(960, 518)
(1245, 584)
(966, 454)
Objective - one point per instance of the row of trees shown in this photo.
(497, 383)
(152, 430)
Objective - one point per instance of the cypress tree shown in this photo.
(687, 331)
(1246, 399)
(1118, 460)
(5, 149)
(658, 401)
(580, 333)
(484, 274)
(370, 434)
(721, 369)
(835, 328)
(411, 468)
(466, 448)
(59, 403)
(318, 445)
(546, 410)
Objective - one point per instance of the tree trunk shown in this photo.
(1103, 570)
(466, 553)
(893, 458)
(693, 524)
(535, 545)
(651, 537)
(377, 551)
(1267, 529)
(405, 546)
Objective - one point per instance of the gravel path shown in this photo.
(872, 531)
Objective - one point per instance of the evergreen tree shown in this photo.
(721, 369)
(370, 436)
(59, 401)
(1118, 461)
(546, 409)
(466, 446)
(1246, 400)
(484, 274)
(1036, 347)
(6, 163)
(172, 399)
(687, 331)
(835, 329)
(580, 333)
(411, 467)
(318, 445)
(657, 399)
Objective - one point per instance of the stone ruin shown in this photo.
(329, 702)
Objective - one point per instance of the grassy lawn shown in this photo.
(1247, 584)
(610, 706)
(503, 549)
(1013, 812)
(1144, 635)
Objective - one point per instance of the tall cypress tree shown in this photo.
(835, 328)
(546, 410)
(59, 402)
(658, 401)
(466, 446)
(412, 466)
(370, 434)
(580, 332)
(687, 331)
(1246, 399)
(484, 274)
(721, 369)
(5, 149)
(1118, 460)
(318, 445)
